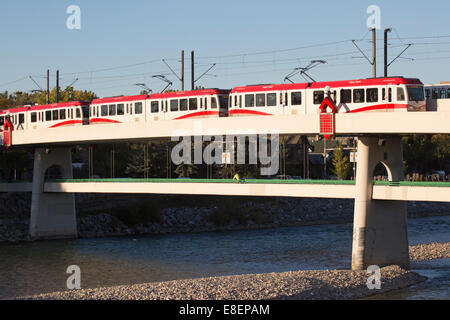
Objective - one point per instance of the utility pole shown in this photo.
(48, 86)
(192, 70)
(182, 70)
(374, 52)
(386, 51)
(57, 86)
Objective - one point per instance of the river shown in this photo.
(39, 267)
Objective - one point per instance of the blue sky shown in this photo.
(250, 41)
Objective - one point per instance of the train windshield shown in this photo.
(415, 93)
(223, 100)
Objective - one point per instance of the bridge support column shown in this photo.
(52, 214)
(380, 226)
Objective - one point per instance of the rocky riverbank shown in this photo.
(298, 285)
(101, 215)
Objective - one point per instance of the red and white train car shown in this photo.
(118, 109)
(47, 116)
(268, 99)
(187, 104)
(379, 94)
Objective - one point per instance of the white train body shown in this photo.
(381, 95)
(437, 97)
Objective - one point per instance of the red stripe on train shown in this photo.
(380, 107)
(103, 120)
(197, 114)
(65, 123)
(245, 111)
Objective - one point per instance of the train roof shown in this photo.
(331, 84)
(45, 106)
(270, 87)
(191, 93)
(366, 82)
(120, 99)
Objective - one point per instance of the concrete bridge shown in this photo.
(380, 227)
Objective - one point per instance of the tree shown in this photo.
(341, 164)
(441, 151)
(186, 170)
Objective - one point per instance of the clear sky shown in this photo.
(121, 43)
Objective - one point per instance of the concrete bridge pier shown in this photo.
(52, 214)
(380, 234)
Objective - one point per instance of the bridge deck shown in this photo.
(382, 190)
(346, 124)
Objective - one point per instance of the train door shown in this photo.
(386, 97)
(85, 114)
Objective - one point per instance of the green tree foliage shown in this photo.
(441, 151)
(153, 165)
(423, 153)
(10, 100)
(341, 164)
(186, 170)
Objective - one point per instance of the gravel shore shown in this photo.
(430, 251)
(302, 285)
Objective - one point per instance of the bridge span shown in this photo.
(348, 124)
(382, 190)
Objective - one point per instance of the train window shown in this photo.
(271, 99)
(193, 104)
(261, 100)
(249, 100)
(112, 110)
(448, 93)
(103, 109)
(206, 103)
(296, 98)
(33, 117)
(240, 101)
(62, 114)
(78, 113)
(318, 97)
(213, 103)
(55, 115)
(435, 93)
(390, 94)
(154, 106)
(120, 109)
(21, 118)
(443, 94)
(358, 95)
(71, 113)
(48, 115)
(346, 96)
(2, 121)
(428, 94)
(138, 107)
(372, 95)
(174, 105)
(400, 94)
(235, 101)
(183, 104)
(415, 93)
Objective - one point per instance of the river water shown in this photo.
(39, 267)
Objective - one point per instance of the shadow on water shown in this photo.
(31, 268)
